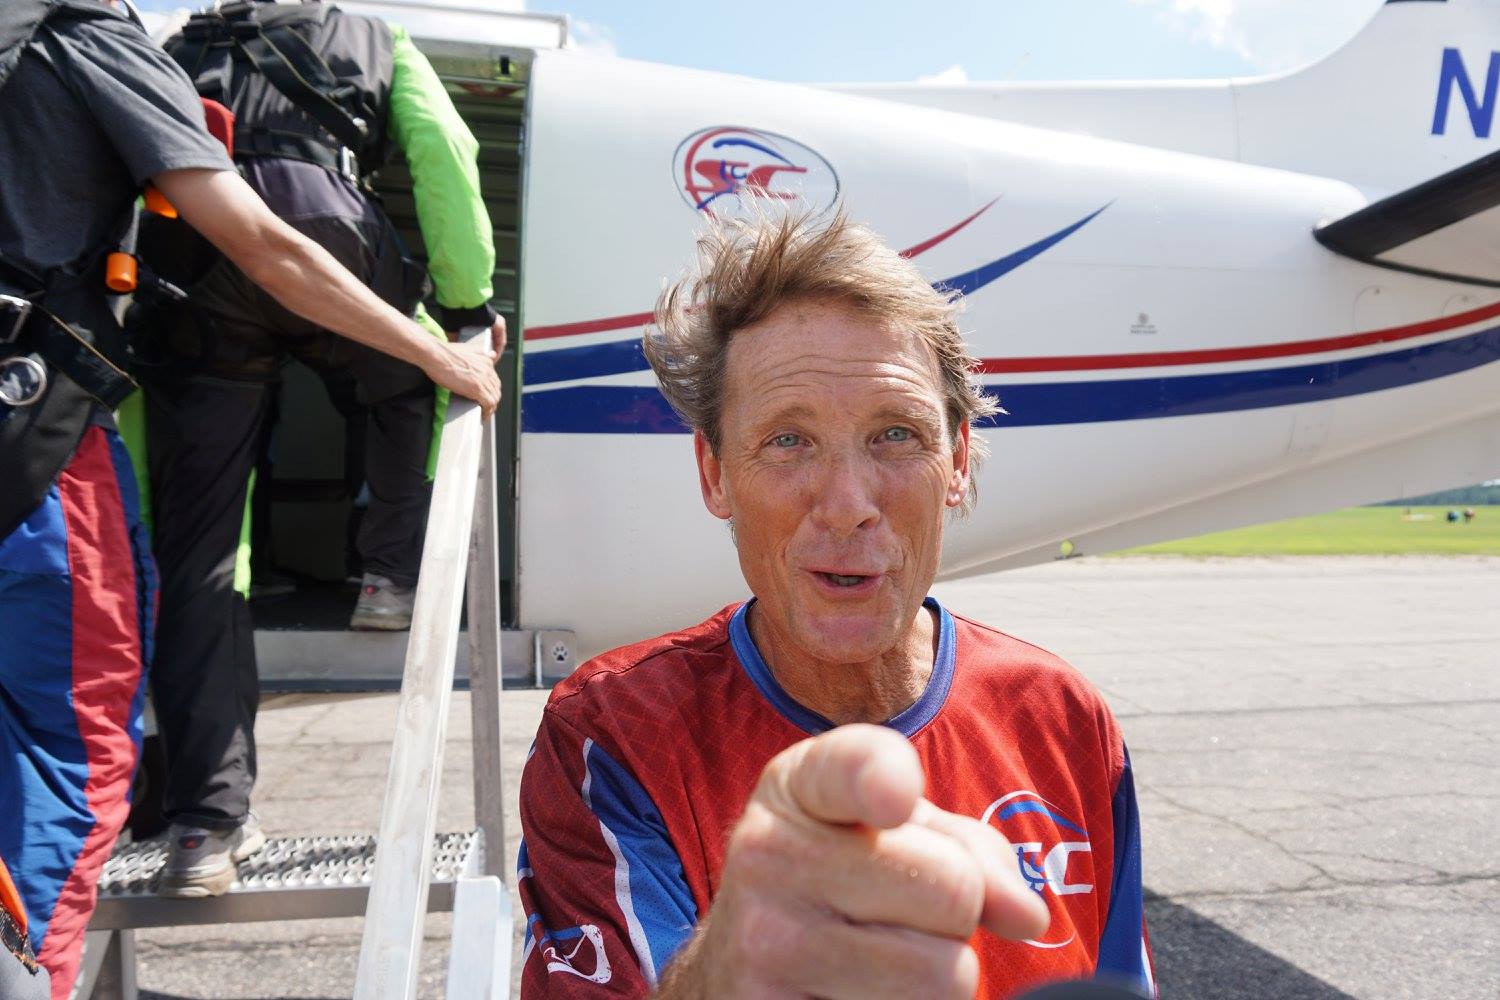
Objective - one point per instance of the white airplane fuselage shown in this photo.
(1175, 351)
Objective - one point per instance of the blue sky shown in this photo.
(844, 40)
(821, 41)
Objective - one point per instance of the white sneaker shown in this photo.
(383, 606)
(202, 862)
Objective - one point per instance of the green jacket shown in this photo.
(443, 156)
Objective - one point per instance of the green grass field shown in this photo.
(1365, 531)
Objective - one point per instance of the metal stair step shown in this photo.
(291, 878)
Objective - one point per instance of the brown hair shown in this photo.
(748, 266)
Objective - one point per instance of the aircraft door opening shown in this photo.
(306, 496)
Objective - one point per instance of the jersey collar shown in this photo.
(908, 723)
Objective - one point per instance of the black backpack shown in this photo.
(306, 82)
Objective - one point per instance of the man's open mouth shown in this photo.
(843, 579)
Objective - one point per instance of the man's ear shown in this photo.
(711, 478)
(958, 483)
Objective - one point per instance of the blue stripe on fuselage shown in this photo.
(613, 409)
(972, 281)
(590, 361)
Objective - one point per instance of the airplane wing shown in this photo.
(1447, 227)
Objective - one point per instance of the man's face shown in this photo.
(837, 464)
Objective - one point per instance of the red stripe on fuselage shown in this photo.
(106, 676)
(646, 318)
(928, 244)
(589, 326)
(1164, 359)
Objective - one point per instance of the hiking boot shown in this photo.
(383, 606)
(202, 862)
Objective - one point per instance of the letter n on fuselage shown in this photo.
(1454, 75)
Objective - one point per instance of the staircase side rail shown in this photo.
(485, 676)
(391, 945)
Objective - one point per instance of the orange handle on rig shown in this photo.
(157, 203)
(10, 899)
(120, 272)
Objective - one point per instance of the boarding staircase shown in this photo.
(408, 869)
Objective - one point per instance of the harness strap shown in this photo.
(292, 66)
(13, 923)
(14, 940)
(27, 328)
(252, 142)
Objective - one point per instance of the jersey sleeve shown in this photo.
(443, 156)
(606, 901)
(140, 99)
(1124, 948)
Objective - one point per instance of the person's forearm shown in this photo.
(302, 276)
(296, 271)
(307, 280)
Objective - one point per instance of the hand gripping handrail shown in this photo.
(461, 535)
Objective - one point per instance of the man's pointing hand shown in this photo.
(841, 880)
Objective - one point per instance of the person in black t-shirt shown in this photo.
(90, 110)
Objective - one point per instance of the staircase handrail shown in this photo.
(460, 543)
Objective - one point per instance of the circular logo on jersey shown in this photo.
(1052, 853)
(723, 170)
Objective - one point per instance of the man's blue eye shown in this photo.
(897, 434)
(786, 440)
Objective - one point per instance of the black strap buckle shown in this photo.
(14, 312)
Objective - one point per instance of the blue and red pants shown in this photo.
(77, 597)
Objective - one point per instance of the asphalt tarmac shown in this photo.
(1316, 745)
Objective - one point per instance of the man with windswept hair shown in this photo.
(837, 788)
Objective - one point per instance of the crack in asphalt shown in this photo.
(1443, 882)
(1322, 878)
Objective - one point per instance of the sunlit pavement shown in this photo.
(1316, 742)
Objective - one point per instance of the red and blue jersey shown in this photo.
(646, 756)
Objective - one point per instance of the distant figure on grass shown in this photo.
(711, 813)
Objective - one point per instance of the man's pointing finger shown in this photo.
(859, 774)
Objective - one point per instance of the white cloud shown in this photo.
(592, 37)
(1271, 35)
(953, 74)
